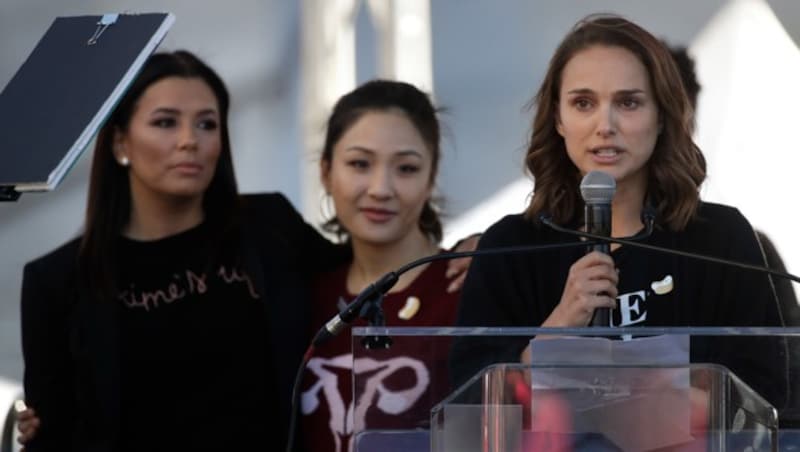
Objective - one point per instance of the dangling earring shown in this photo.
(124, 161)
(326, 207)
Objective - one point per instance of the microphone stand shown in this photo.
(373, 312)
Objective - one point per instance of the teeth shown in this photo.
(606, 152)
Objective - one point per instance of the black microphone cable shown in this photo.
(633, 243)
(294, 415)
(385, 283)
(377, 289)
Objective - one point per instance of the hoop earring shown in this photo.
(326, 207)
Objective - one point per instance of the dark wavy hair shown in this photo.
(384, 95)
(109, 200)
(677, 166)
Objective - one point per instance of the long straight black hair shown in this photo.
(109, 201)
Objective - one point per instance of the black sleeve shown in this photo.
(314, 252)
(783, 287)
(770, 368)
(490, 297)
(748, 298)
(752, 291)
(48, 378)
(790, 416)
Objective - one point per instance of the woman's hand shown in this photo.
(591, 284)
(457, 268)
(27, 424)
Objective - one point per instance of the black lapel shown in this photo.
(98, 352)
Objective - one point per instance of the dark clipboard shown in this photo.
(62, 94)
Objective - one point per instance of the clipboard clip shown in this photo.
(105, 21)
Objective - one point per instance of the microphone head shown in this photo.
(598, 187)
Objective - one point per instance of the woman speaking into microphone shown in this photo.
(612, 101)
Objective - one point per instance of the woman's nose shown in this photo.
(380, 184)
(187, 138)
(606, 122)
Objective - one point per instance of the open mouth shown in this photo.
(606, 152)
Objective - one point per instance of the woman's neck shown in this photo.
(626, 210)
(156, 219)
(371, 261)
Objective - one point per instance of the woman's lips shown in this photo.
(188, 168)
(378, 215)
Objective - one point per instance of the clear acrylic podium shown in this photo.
(521, 408)
(568, 401)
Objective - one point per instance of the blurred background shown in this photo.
(286, 61)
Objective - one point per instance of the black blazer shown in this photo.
(70, 343)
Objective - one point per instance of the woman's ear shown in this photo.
(557, 116)
(118, 148)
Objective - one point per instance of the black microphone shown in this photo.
(597, 191)
(350, 312)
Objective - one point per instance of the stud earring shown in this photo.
(124, 161)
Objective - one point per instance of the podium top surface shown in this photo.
(585, 331)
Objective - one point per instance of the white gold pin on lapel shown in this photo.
(662, 287)
(410, 309)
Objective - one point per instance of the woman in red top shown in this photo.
(379, 166)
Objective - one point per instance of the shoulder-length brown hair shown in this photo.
(677, 166)
(109, 204)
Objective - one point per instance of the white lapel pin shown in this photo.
(410, 309)
(662, 287)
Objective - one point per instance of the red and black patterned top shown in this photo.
(396, 387)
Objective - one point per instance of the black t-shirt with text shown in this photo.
(193, 340)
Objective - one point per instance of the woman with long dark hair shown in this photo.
(176, 321)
